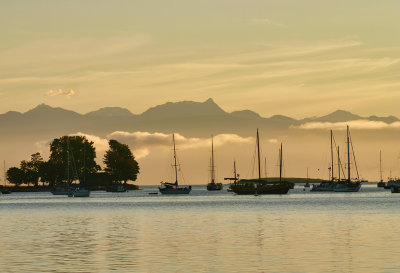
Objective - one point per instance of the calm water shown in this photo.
(203, 232)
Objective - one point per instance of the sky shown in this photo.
(294, 57)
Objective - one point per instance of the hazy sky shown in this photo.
(298, 58)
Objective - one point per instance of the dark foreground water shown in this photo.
(202, 232)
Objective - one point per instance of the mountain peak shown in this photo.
(339, 116)
(184, 109)
(110, 112)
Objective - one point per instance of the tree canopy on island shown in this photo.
(72, 157)
(120, 162)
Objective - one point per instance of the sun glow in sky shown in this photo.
(298, 58)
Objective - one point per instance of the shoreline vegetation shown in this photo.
(72, 165)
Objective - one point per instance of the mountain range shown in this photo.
(186, 117)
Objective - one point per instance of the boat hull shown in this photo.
(63, 191)
(395, 189)
(324, 186)
(347, 187)
(381, 184)
(214, 186)
(175, 191)
(282, 188)
(82, 193)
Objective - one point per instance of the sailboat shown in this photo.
(82, 191)
(66, 189)
(4, 189)
(261, 185)
(348, 185)
(328, 185)
(307, 185)
(234, 178)
(380, 184)
(212, 186)
(173, 188)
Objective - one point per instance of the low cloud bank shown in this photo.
(141, 143)
(355, 124)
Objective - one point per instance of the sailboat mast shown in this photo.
(234, 170)
(332, 154)
(258, 151)
(338, 159)
(68, 179)
(265, 167)
(348, 154)
(175, 166)
(280, 164)
(212, 161)
(5, 179)
(380, 164)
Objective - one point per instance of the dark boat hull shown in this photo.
(214, 186)
(282, 188)
(381, 184)
(174, 191)
(347, 187)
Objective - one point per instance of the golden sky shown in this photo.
(298, 58)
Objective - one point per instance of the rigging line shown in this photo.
(340, 162)
(354, 157)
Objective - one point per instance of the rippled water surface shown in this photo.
(202, 232)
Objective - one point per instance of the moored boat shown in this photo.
(380, 184)
(349, 185)
(213, 186)
(173, 188)
(261, 185)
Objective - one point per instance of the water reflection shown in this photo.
(301, 232)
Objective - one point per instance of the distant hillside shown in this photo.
(186, 117)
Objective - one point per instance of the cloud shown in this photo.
(143, 142)
(60, 92)
(273, 140)
(265, 21)
(355, 124)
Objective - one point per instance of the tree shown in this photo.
(72, 156)
(50, 173)
(120, 162)
(31, 169)
(15, 176)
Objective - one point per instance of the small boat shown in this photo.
(380, 184)
(67, 190)
(81, 192)
(153, 193)
(307, 184)
(395, 189)
(116, 188)
(329, 185)
(348, 185)
(173, 188)
(261, 185)
(3, 189)
(392, 183)
(212, 186)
